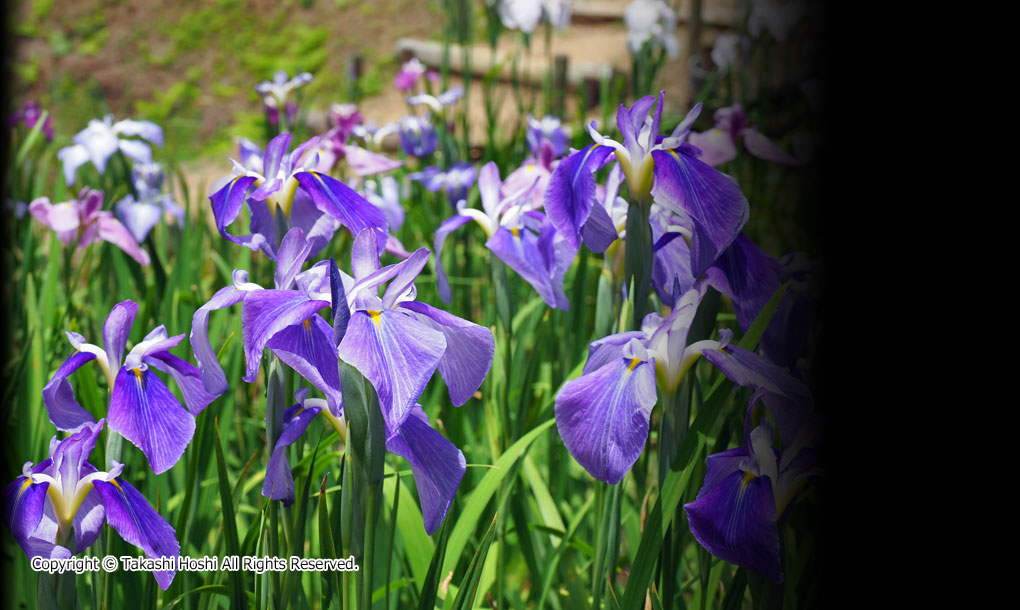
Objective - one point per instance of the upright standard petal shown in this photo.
(116, 329)
(437, 464)
(145, 412)
(603, 416)
(307, 347)
(710, 198)
(279, 482)
(571, 192)
(449, 226)
(469, 350)
(58, 396)
(396, 353)
(139, 524)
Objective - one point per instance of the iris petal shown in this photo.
(139, 524)
(58, 396)
(603, 417)
(437, 464)
(145, 412)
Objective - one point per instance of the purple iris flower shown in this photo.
(345, 117)
(719, 144)
(141, 215)
(524, 239)
(603, 415)
(417, 136)
(65, 495)
(29, 115)
(548, 129)
(746, 492)
(287, 184)
(142, 409)
(83, 220)
(535, 171)
(275, 93)
(666, 168)
(101, 139)
(455, 181)
(394, 341)
(409, 75)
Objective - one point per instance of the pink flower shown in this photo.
(82, 219)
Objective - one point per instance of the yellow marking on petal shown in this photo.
(531, 167)
(138, 376)
(516, 232)
(308, 325)
(748, 477)
(375, 316)
(117, 485)
(673, 152)
(299, 412)
(633, 364)
(28, 481)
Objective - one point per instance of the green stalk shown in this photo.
(637, 263)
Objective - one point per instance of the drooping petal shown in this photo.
(136, 150)
(449, 225)
(145, 412)
(343, 203)
(716, 146)
(395, 352)
(213, 378)
(23, 509)
(58, 396)
(469, 350)
(187, 377)
(603, 416)
(318, 226)
(736, 522)
(139, 524)
(138, 216)
(307, 347)
(571, 191)
(111, 230)
(366, 163)
(786, 397)
(712, 200)
(267, 312)
(279, 482)
(226, 205)
(73, 157)
(145, 129)
(519, 249)
(438, 465)
(63, 218)
(746, 274)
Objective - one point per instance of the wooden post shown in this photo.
(355, 66)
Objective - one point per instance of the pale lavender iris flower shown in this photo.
(524, 239)
(719, 144)
(102, 139)
(455, 182)
(142, 214)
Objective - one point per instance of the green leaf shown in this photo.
(480, 497)
(427, 600)
(238, 599)
(468, 587)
